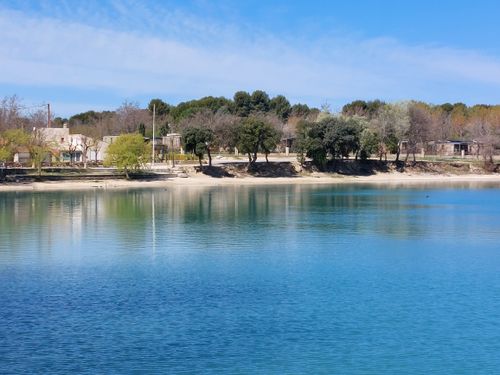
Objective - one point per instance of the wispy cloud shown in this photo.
(49, 52)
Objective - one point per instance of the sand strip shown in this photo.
(203, 180)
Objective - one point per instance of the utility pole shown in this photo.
(48, 115)
(154, 115)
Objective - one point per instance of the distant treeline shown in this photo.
(362, 128)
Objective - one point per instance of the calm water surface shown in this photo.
(251, 280)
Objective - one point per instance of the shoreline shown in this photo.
(200, 180)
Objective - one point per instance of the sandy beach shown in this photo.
(197, 180)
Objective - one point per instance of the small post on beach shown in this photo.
(153, 156)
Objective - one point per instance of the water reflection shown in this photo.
(228, 216)
(275, 279)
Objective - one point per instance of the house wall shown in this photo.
(97, 153)
(453, 148)
(22, 157)
(172, 141)
(63, 141)
(56, 136)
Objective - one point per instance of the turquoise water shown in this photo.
(252, 280)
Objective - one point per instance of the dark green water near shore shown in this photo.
(273, 279)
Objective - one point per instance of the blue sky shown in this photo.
(82, 55)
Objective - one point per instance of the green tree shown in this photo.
(142, 129)
(5, 153)
(198, 141)
(161, 108)
(281, 106)
(310, 142)
(256, 135)
(369, 143)
(270, 138)
(342, 136)
(361, 108)
(84, 118)
(10, 140)
(260, 101)
(39, 150)
(164, 129)
(300, 110)
(128, 152)
(334, 136)
(187, 109)
(242, 103)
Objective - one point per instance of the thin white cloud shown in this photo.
(50, 52)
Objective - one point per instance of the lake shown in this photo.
(348, 279)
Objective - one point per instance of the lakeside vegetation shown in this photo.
(254, 123)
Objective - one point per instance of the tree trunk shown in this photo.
(201, 164)
(126, 174)
(209, 157)
(267, 160)
(398, 152)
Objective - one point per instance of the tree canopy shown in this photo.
(256, 135)
(10, 140)
(161, 108)
(281, 106)
(128, 152)
(198, 140)
(337, 137)
(260, 101)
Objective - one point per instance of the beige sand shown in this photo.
(199, 179)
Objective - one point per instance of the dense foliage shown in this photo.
(256, 135)
(128, 152)
(198, 140)
(337, 137)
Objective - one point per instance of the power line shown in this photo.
(25, 107)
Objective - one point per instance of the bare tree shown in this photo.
(129, 116)
(10, 113)
(440, 127)
(91, 140)
(72, 149)
(38, 119)
(420, 122)
(486, 134)
(86, 144)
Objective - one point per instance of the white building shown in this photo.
(72, 147)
